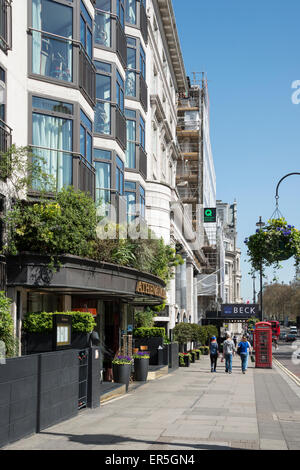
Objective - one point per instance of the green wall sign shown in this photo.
(210, 214)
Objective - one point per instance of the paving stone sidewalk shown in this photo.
(189, 409)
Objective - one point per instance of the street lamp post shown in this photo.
(254, 293)
(260, 224)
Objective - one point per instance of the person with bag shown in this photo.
(214, 353)
(228, 352)
(243, 350)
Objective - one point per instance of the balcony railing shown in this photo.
(121, 43)
(143, 22)
(66, 168)
(143, 93)
(5, 137)
(5, 25)
(120, 127)
(111, 205)
(142, 162)
(87, 75)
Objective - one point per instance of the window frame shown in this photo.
(108, 162)
(114, 18)
(140, 62)
(88, 131)
(139, 197)
(138, 136)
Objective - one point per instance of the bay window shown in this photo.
(119, 176)
(130, 155)
(86, 139)
(102, 160)
(103, 98)
(86, 28)
(130, 193)
(103, 23)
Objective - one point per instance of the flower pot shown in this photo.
(144, 348)
(141, 367)
(121, 373)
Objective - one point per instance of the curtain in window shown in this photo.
(102, 182)
(36, 37)
(53, 133)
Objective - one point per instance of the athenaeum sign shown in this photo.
(150, 289)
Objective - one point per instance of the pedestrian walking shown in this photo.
(243, 350)
(214, 353)
(234, 340)
(228, 352)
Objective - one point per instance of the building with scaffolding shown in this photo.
(196, 183)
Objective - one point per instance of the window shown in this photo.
(142, 202)
(130, 156)
(119, 176)
(86, 138)
(142, 133)
(103, 26)
(52, 138)
(131, 88)
(5, 25)
(130, 193)
(120, 91)
(2, 93)
(120, 12)
(131, 12)
(143, 63)
(52, 56)
(103, 176)
(103, 95)
(86, 27)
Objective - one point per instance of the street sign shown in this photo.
(239, 311)
(210, 214)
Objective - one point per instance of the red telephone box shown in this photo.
(263, 344)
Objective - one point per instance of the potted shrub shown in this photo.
(184, 359)
(149, 339)
(141, 366)
(198, 353)
(193, 355)
(122, 369)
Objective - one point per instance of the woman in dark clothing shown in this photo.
(214, 353)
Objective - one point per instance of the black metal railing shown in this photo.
(120, 127)
(86, 175)
(5, 137)
(87, 76)
(143, 22)
(5, 25)
(143, 93)
(142, 162)
(121, 43)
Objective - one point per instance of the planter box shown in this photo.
(186, 361)
(193, 357)
(198, 356)
(42, 342)
(121, 373)
(141, 367)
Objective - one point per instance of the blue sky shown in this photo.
(250, 51)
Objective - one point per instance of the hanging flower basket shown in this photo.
(273, 243)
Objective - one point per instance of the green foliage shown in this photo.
(42, 322)
(144, 318)
(66, 224)
(182, 332)
(204, 350)
(212, 330)
(148, 332)
(273, 243)
(7, 326)
(251, 322)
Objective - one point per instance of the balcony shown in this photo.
(5, 25)
(143, 93)
(66, 168)
(63, 61)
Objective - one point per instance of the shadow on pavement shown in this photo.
(102, 439)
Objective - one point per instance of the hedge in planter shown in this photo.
(38, 327)
(151, 337)
(273, 243)
(145, 332)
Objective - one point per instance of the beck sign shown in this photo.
(240, 310)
